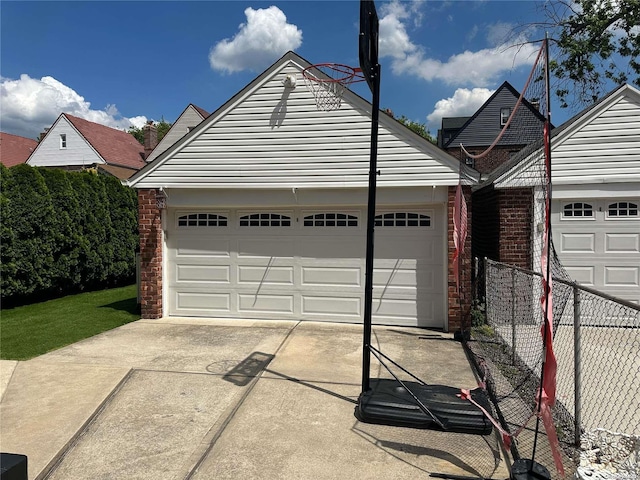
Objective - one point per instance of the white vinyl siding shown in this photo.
(603, 146)
(606, 147)
(276, 138)
(76, 153)
(189, 119)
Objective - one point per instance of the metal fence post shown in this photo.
(513, 315)
(486, 288)
(577, 387)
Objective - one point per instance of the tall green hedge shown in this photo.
(64, 232)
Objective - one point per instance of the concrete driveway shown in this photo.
(200, 399)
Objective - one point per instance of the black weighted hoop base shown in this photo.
(388, 403)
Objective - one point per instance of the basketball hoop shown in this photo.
(327, 81)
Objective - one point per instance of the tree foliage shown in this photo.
(419, 128)
(162, 127)
(596, 42)
(64, 232)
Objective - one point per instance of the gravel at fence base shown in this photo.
(609, 455)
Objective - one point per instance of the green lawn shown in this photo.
(31, 330)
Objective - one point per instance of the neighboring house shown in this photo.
(15, 149)
(480, 130)
(450, 126)
(595, 165)
(73, 143)
(260, 212)
(188, 119)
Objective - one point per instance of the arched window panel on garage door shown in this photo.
(403, 219)
(577, 210)
(202, 220)
(265, 219)
(622, 210)
(330, 219)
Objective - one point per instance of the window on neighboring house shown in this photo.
(470, 162)
(265, 220)
(330, 220)
(403, 219)
(202, 220)
(504, 116)
(623, 209)
(63, 140)
(577, 210)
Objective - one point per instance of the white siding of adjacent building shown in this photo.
(188, 119)
(595, 161)
(270, 136)
(78, 152)
(602, 146)
(604, 149)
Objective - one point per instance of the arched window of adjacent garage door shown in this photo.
(265, 220)
(202, 220)
(403, 219)
(623, 209)
(331, 219)
(577, 210)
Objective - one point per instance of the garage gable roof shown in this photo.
(601, 144)
(272, 136)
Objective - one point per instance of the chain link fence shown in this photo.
(596, 343)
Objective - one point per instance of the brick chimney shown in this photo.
(43, 134)
(150, 138)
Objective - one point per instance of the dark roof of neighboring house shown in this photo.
(116, 147)
(15, 149)
(123, 173)
(201, 111)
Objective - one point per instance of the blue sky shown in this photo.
(121, 63)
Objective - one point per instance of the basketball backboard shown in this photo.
(368, 41)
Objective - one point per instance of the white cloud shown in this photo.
(30, 104)
(479, 68)
(259, 42)
(393, 39)
(463, 103)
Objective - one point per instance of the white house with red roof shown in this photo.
(74, 143)
(15, 149)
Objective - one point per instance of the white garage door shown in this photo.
(598, 241)
(306, 264)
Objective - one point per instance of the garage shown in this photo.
(598, 241)
(306, 263)
(595, 172)
(260, 212)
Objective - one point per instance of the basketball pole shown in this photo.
(371, 219)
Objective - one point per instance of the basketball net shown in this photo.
(328, 81)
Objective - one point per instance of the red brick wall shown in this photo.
(516, 217)
(459, 306)
(150, 227)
